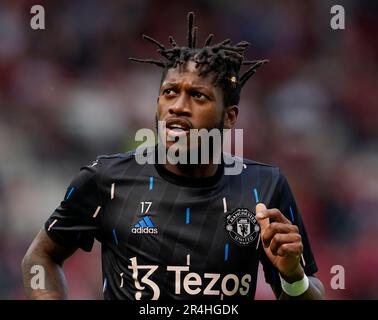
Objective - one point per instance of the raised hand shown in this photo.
(282, 242)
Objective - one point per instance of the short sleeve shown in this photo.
(76, 222)
(283, 200)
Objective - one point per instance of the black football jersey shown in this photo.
(165, 236)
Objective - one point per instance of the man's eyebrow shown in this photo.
(170, 84)
(174, 85)
(194, 86)
(199, 87)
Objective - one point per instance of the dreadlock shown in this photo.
(222, 58)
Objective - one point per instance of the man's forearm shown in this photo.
(315, 291)
(54, 283)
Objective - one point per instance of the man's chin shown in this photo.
(180, 141)
(172, 145)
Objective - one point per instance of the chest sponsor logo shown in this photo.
(185, 281)
(242, 226)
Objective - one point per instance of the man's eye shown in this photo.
(168, 92)
(199, 95)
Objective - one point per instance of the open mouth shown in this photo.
(177, 127)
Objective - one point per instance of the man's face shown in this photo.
(187, 101)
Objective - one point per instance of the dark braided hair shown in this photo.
(222, 58)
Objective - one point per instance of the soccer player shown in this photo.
(182, 231)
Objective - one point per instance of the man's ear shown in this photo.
(230, 116)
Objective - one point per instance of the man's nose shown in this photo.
(181, 105)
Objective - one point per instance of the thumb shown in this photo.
(260, 216)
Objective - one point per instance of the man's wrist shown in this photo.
(296, 288)
(295, 276)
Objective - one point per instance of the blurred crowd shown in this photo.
(69, 93)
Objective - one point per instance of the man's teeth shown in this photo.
(176, 126)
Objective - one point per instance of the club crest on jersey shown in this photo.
(242, 226)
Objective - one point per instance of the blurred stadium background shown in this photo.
(69, 93)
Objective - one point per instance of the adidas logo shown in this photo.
(145, 225)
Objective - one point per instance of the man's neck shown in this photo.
(192, 170)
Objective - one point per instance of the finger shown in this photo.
(274, 215)
(260, 216)
(277, 228)
(280, 239)
(294, 249)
